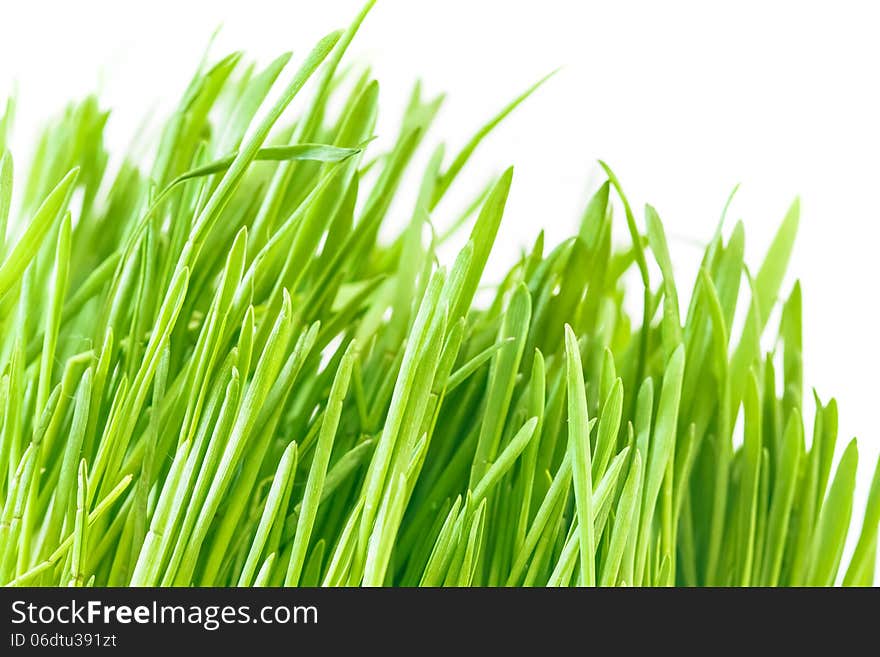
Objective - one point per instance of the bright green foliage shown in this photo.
(214, 372)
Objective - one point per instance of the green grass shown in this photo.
(214, 372)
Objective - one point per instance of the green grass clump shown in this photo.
(214, 372)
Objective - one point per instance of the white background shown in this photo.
(682, 99)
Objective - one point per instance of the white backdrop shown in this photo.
(682, 99)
